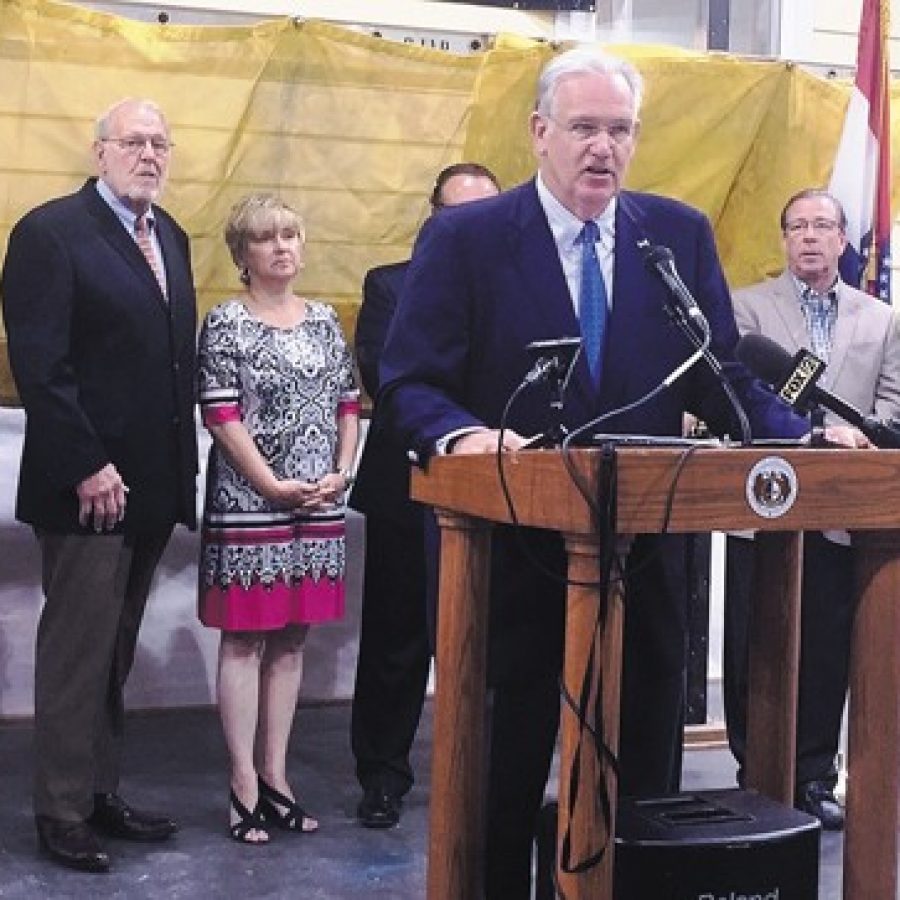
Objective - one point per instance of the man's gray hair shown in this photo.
(101, 126)
(585, 60)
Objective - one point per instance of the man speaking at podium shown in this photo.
(485, 280)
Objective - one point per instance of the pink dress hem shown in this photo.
(259, 608)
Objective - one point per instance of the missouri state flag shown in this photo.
(861, 178)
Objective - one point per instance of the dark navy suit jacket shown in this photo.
(104, 365)
(486, 279)
(382, 482)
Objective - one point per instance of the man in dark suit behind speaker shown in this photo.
(100, 313)
(394, 651)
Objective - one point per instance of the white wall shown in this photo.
(825, 32)
(449, 26)
(176, 658)
(822, 32)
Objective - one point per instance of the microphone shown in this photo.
(795, 380)
(660, 259)
(553, 358)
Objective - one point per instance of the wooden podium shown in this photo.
(856, 490)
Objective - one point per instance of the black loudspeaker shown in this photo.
(715, 845)
(706, 845)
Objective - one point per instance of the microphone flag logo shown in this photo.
(806, 370)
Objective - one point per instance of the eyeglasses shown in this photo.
(819, 226)
(583, 132)
(134, 144)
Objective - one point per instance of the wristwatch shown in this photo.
(349, 478)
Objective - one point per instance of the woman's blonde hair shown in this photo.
(253, 215)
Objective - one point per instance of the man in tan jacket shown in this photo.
(857, 336)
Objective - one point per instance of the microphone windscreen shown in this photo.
(656, 255)
(764, 358)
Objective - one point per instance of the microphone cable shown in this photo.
(727, 387)
(610, 562)
(652, 253)
(568, 444)
(573, 437)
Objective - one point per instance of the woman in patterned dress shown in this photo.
(277, 395)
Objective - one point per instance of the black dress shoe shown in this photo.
(379, 808)
(71, 844)
(114, 817)
(817, 799)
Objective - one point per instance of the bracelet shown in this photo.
(348, 477)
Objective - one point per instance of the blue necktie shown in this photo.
(593, 309)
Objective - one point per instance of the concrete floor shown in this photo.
(176, 764)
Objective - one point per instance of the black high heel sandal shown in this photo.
(248, 821)
(287, 814)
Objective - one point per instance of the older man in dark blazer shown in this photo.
(485, 280)
(100, 313)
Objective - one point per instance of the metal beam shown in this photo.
(718, 25)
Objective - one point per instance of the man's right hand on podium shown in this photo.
(846, 436)
(486, 441)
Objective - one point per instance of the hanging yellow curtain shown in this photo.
(349, 128)
(731, 136)
(352, 130)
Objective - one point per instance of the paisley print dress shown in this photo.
(262, 567)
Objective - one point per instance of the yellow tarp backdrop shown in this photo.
(352, 130)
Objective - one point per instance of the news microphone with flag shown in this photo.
(795, 380)
(661, 260)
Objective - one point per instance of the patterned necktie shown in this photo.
(593, 308)
(820, 313)
(142, 233)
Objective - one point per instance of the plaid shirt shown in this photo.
(820, 313)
